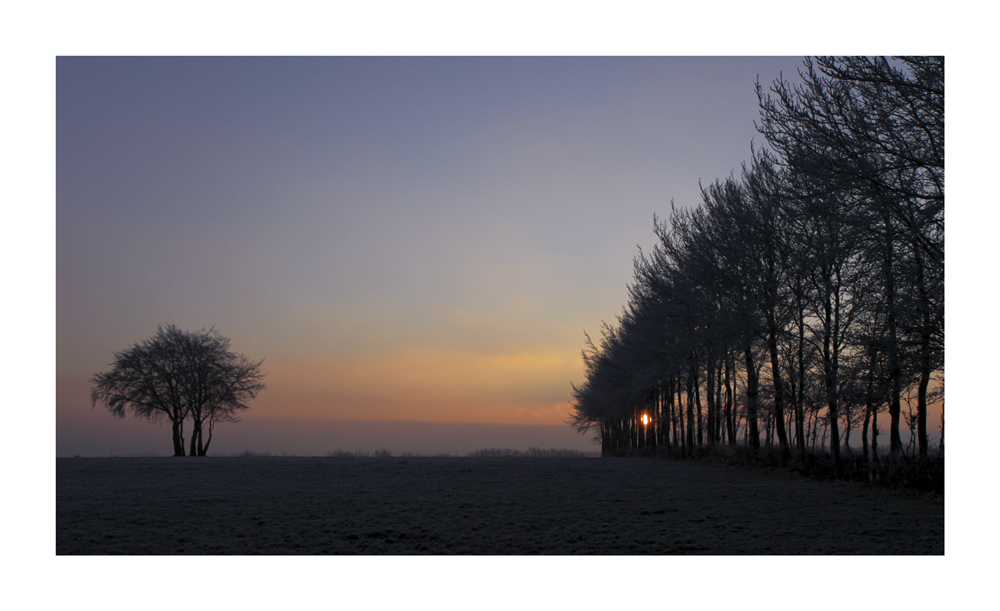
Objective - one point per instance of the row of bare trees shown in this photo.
(804, 296)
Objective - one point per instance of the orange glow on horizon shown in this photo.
(524, 387)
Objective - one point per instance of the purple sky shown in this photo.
(419, 239)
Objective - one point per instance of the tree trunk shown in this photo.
(697, 402)
(925, 357)
(718, 404)
(829, 368)
(800, 431)
(195, 437)
(753, 433)
(730, 426)
(875, 433)
(870, 404)
(651, 427)
(178, 439)
(660, 420)
(672, 428)
(203, 450)
(895, 374)
(667, 417)
(779, 392)
(710, 398)
(941, 443)
(864, 431)
(813, 432)
(690, 418)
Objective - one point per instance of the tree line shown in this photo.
(804, 296)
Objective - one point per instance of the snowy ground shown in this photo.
(425, 505)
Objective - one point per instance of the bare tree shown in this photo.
(871, 132)
(175, 375)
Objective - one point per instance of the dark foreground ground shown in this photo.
(290, 505)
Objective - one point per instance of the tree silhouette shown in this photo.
(823, 259)
(175, 375)
(872, 133)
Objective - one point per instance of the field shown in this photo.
(475, 505)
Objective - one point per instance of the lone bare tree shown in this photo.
(178, 374)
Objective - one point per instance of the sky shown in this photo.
(402, 239)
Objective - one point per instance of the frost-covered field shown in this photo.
(425, 505)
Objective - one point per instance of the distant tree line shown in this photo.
(805, 296)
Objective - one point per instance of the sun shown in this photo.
(645, 419)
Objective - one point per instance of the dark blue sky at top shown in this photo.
(134, 112)
(192, 131)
